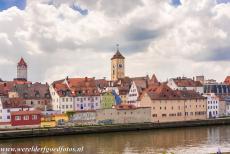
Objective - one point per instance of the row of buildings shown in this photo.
(122, 99)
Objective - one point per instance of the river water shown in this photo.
(177, 140)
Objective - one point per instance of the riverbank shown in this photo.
(74, 130)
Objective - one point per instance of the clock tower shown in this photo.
(117, 66)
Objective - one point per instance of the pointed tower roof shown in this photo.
(118, 55)
(22, 62)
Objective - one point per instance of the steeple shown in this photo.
(22, 62)
(118, 55)
(117, 65)
(22, 70)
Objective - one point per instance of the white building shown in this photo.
(62, 98)
(74, 94)
(10, 105)
(183, 83)
(212, 105)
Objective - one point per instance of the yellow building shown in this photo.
(117, 66)
(169, 105)
(53, 120)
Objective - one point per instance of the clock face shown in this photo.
(120, 65)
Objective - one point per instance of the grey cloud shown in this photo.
(119, 7)
(217, 54)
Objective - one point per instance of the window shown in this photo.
(67, 99)
(164, 115)
(34, 117)
(17, 117)
(8, 111)
(71, 106)
(63, 106)
(26, 117)
(154, 115)
(63, 99)
(8, 117)
(66, 106)
(96, 104)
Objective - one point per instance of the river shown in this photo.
(193, 140)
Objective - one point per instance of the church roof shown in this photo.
(118, 55)
(22, 62)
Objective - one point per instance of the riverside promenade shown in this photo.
(74, 130)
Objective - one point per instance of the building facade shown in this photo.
(212, 105)
(26, 118)
(107, 100)
(74, 94)
(169, 105)
(183, 83)
(117, 66)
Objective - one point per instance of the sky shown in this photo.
(77, 38)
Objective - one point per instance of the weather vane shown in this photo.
(117, 47)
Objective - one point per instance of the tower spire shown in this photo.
(117, 47)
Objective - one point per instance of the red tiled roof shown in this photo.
(22, 63)
(227, 80)
(25, 112)
(14, 103)
(118, 55)
(186, 82)
(77, 87)
(163, 92)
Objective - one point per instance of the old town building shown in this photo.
(117, 66)
(75, 94)
(169, 105)
(26, 118)
(183, 83)
(212, 105)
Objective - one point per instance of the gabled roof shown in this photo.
(163, 92)
(118, 55)
(187, 82)
(14, 103)
(22, 62)
(76, 87)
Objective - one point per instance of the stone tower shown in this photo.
(22, 70)
(117, 66)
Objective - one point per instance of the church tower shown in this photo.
(117, 66)
(22, 70)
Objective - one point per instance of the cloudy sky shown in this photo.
(78, 37)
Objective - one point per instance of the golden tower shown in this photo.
(117, 66)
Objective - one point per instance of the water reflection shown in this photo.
(180, 140)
